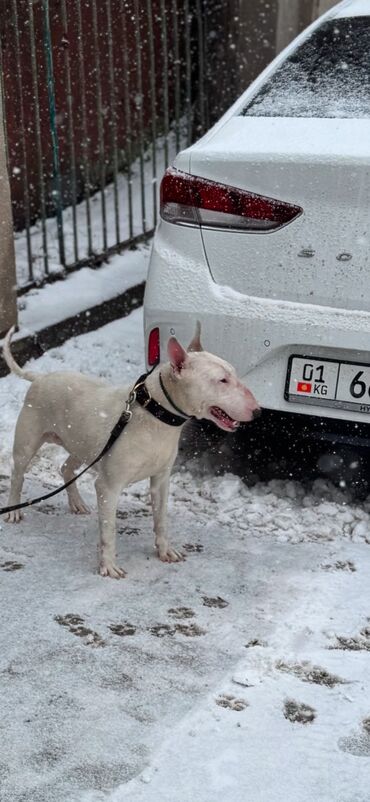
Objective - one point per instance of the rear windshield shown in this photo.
(327, 76)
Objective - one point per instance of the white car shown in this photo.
(264, 233)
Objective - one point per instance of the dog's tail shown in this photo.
(28, 375)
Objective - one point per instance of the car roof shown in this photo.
(351, 8)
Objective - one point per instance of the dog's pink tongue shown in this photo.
(223, 417)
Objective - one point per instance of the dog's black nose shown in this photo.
(256, 413)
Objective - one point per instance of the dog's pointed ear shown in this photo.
(195, 344)
(176, 354)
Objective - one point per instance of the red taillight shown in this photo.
(153, 347)
(190, 200)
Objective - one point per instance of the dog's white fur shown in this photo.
(79, 412)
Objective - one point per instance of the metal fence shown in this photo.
(98, 97)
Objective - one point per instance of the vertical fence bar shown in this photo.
(153, 106)
(177, 72)
(127, 109)
(26, 195)
(99, 103)
(188, 81)
(139, 105)
(71, 141)
(8, 279)
(57, 191)
(3, 108)
(200, 67)
(39, 155)
(85, 143)
(207, 64)
(165, 79)
(113, 118)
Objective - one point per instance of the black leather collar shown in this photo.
(171, 401)
(145, 400)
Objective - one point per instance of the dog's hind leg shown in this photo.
(27, 442)
(68, 471)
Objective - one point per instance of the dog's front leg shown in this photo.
(159, 486)
(107, 497)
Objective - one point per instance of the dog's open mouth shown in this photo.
(223, 419)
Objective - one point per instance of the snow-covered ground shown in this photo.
(241, 675)
(87, 287)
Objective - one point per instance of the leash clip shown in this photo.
(131, 400)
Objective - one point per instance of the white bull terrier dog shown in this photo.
(79, 413)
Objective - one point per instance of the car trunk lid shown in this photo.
(321, 165)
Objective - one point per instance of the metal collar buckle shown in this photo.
(141, 384)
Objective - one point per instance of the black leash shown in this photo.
(140, 394)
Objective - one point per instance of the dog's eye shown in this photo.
(224, 381)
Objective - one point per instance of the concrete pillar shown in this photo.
(320, 6)
(294, 16)
(8, 283)
(255, 22)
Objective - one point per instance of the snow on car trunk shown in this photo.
(320, 165)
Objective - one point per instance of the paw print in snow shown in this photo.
(231, 702)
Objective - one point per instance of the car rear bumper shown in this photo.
(256, 335)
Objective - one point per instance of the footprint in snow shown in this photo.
(193, 547)
(181, 612)
(161, 630)
(47, 509)
(298, 712)
(188, 630)
(255, 642)
(357, 744)
(355, 643)
(309, 673)
(216, 601)
(366, 724)
(340, 565)
(122, 629)
(231, 702)
(76, 625)
(10, 565)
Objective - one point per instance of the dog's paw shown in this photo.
(13, 517)
(78, 507)
(170, 555)
(112, 570)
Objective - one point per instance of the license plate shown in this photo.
(328, 383)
